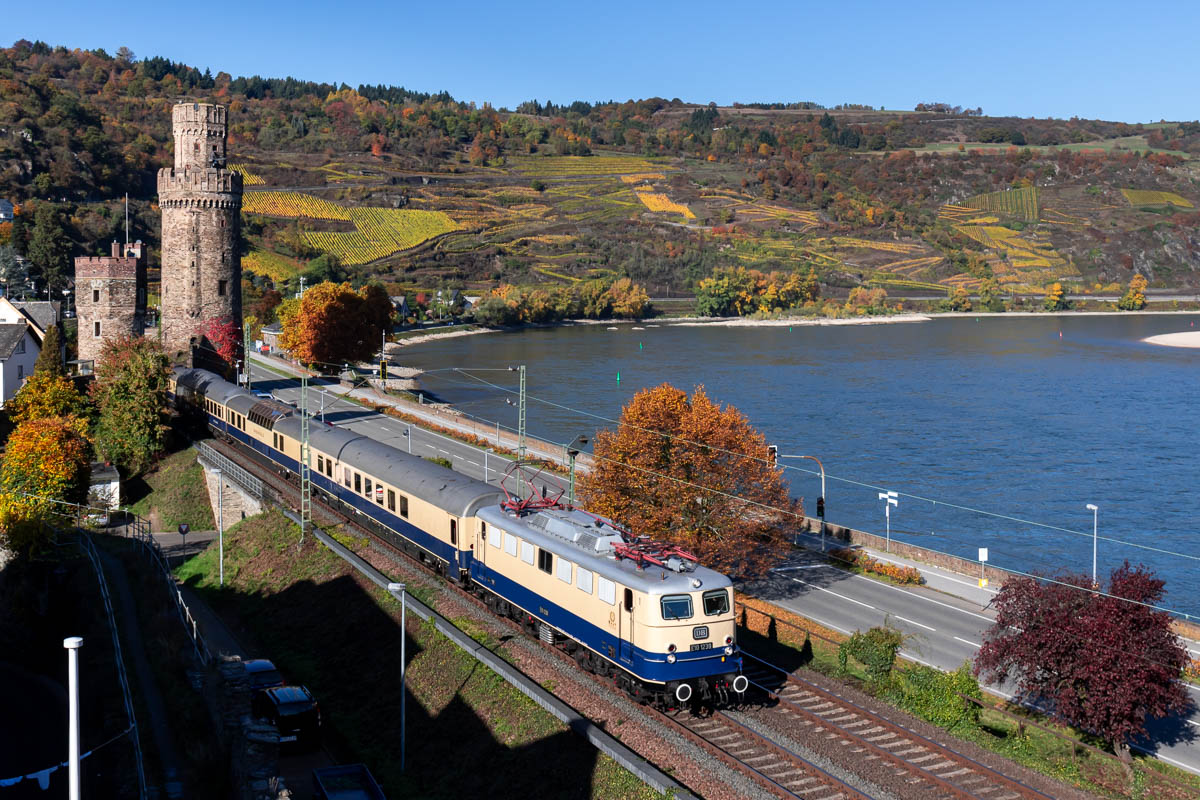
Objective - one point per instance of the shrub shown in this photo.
(933, 695)
(875, 650)
(858, 559)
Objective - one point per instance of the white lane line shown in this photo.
(446, 452)
(835, 594)
(914, 622)
(800, 566)
(923, 597)
(472, 463)
(384, 429)
(965, 641)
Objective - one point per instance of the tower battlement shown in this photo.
(200, 132)
(197, 114)
(122, 268)
(223, 181)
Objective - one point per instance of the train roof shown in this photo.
(587, 540)
(450, 491)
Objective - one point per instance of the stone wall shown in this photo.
(201, 229)
(110, 291)
(237, 505)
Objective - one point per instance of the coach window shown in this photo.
(329, 467)
(320, 463)
(453, 531)
(716, 603)
(358, 483)
(346, 476)
(379, 494)
(391, 500)
(545, 561)
(677, 606)
(367, 485)
(403, 506)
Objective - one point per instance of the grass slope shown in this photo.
(172, 493)
(469, 733)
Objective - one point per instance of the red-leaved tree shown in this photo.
(1100, 663)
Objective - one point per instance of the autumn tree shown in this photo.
(1100, 662)
(46, 394)
(695, 474)
(332, 323)
(1055, 299)
(45, 460)
(1134, 298)
(130, 393)
(960, 300)
(989, 295)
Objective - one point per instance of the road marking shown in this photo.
(800, 566)
(964, 641)
(914, 622)
(923, 597)
(1193, 722)
(384, 429)
(835, 594)
(472, 463)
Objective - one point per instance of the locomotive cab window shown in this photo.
(454, 531)
(629, 599)
(677, 606)
(545, 561)
(716, 603)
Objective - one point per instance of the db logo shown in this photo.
(612, 618)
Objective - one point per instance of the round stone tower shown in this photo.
(201, 204)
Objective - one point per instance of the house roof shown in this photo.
(41, 313)
(274, 327)
(6, 208)
(11, 335)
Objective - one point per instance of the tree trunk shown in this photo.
(1126, 759)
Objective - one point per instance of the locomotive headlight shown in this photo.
(671, 648)
(728, 651)
(670, 658)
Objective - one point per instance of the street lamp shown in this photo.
(220, 526)
(577, 444)
(73, 644)
(821, 499)
(1095, 523)
(393, 589)
(892, 499)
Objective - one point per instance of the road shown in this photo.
(943, 625)
(940, 630)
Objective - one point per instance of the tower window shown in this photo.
(97, 330)
(222, 222)
(196, 146)
(221, 287)
(95, 295)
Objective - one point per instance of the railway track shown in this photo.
(927, 768)
(784, 771)
(916, 766)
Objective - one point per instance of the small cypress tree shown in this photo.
(50, 359)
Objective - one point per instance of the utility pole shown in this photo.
(305, 477)
(73, 644)
(520, 429)
(301, 292)
(383, 356)
(220, 526)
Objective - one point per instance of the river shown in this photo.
(1028, 419)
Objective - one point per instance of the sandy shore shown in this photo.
(1184, 339)
(745, 322)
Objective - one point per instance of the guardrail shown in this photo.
(252, 485)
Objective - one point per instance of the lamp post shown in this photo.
(1095, 524)
(577, 444)
(220, 526)
(73, 644)
(821, 499)
(393, 589)
(891, 499)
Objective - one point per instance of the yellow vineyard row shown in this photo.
(248, 178)
(660, 202)
(582, 165)
(292, 204)
(870, 244)
(380, 233)
(1020, 203)
(1141, 197)
(643, 176)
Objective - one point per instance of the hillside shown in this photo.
(422, 190)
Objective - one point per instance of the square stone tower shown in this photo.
(201, 204)
(110, 297)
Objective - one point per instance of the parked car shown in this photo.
(262, 673)
(293, 711)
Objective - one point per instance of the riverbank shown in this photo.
(1184, 339)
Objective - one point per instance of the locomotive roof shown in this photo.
(450, 491)
(587, 540)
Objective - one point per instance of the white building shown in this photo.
(19, 351)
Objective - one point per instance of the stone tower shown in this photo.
(110, 297)
(201, 204)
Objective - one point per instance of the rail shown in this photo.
(215, 460)
(89, 548)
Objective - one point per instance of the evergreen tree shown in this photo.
(49, 246)
(50, 359)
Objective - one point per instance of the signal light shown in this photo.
(821, 507)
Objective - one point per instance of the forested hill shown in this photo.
(665, 192)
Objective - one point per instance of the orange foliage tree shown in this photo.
(333, 323)
(45, 460)
(695, 474)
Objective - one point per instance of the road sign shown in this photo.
(983, 554)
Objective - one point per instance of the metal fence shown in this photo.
(85, 544)
(215, 460)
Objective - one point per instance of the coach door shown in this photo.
(625, 614)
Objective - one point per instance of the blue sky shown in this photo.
(1105, 59)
